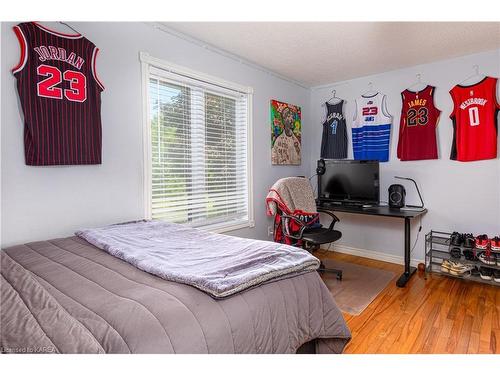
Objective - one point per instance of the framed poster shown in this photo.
(286, 133)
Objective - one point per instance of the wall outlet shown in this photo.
(270, 231)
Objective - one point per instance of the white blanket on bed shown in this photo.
(217, 264)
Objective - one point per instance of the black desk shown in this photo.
(407, 215)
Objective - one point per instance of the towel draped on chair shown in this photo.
(291, 196)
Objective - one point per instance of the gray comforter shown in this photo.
(68, 296)
(219, 265)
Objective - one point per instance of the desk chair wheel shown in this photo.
(338, 273)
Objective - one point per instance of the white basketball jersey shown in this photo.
(371, 129)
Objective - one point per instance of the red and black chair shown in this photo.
(306, 232)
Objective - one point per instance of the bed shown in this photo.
(68, 296)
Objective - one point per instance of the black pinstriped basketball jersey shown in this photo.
(60, 96)
(334, 139)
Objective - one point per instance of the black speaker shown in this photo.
(320, 168)
(397, 194)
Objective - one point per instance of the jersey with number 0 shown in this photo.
(417, 128)
(60, 96)
(475, 122)
(371, 129)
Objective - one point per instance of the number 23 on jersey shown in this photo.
(50, 87)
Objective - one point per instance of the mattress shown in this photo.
(67, 296)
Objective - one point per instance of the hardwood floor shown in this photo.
(432, 314)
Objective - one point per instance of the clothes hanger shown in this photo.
(475, 75)
(370, 91)
(72, 28)
(418, 83)
(334, 92)
(67, 25)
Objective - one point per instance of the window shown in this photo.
(198, 139)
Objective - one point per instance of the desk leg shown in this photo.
(403, 279)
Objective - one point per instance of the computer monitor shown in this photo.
(349, 181)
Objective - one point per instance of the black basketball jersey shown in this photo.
(334, 139)
(60, 96)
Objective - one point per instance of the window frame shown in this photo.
(148, 61)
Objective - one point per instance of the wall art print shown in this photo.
(286, 133)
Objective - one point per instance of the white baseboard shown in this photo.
(397, 259)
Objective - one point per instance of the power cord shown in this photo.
(315, 186)
(314, 175)
(418, 233)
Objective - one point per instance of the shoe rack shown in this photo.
(437, 248)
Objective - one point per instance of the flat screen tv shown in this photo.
(349, 182)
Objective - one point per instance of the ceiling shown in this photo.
(317, 53)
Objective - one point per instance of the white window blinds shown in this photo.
(198, 149)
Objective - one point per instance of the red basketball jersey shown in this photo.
(60, 96)
(417, 128)
(475, 125)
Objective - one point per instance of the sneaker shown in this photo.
(455, 252)
(495, 244)
(456, 239)
(489, 259)
(469, 240)
(485, 273)
(482, 242)
(474, 271)
(469, 255)
(459, 269)
(446, 266)
(496, 275)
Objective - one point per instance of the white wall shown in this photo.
(45, 202)
(459, 196)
